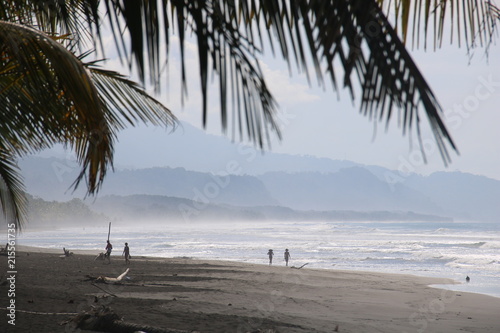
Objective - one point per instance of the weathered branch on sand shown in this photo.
(103, 319)
(67, 253)
(300, 266)
(118, 279)
(105, 279)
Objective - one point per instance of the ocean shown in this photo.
(448, 249)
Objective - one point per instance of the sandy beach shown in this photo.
(185, 295)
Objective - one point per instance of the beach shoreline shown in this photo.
(221, 296)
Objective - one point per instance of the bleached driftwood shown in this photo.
(117, 279)
(105, 279)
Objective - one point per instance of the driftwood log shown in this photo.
(105, 279)
(103, 319)
(67, 253)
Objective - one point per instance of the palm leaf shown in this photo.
(47, 96)
(12, 193)
(222, 50)
(78, 18)
(126, 103)
(58, 95)
(358, 34)
(227, 44)
(230, 35)
(50, 96)
(473, 22)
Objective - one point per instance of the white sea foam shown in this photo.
(452, 250)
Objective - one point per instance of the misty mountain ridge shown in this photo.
(355, 189)
(210, 169)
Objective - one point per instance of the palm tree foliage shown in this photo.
(472, 22)
(49, 95)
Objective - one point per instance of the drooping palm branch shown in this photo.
(225, 31)
(472, 23)
(230, 36)
(48, 96)
(357, 33)
(13, 203)
(62, 17)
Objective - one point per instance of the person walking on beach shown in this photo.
(287, 256)
(109, 247)
(126, 252)
(270, 253)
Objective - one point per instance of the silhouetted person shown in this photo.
(467, 279)
(270, 253)
(109, 247)
(126, 252)
(287, 256)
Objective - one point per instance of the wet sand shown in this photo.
(217, 296)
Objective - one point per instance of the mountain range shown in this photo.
(237, 180)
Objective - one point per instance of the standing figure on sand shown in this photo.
(270, 253)
(287, 256)
(109, 247)
(126, 253)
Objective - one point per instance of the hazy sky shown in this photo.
(469, 94)
(320, 122)
(323, 123)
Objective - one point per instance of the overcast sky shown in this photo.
(469, 94)
(322, 123)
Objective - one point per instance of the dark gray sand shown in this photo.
(210, 296)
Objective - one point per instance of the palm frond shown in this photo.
(12, 193)
(222, 49)
(359, 36)
(78, 18)
(225, 32)
(127, 103)
(473, 22)
(229, 35)
(47, 96)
